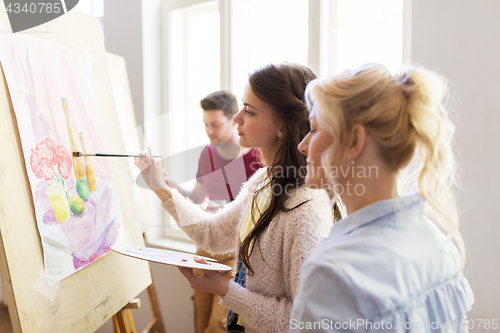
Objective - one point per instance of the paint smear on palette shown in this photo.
(57, 108)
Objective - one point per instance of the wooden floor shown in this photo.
(5, 326)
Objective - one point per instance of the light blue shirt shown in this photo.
(384, 268)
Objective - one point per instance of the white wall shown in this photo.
(461, 40)
(122, 24)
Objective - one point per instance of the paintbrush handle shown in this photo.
(77, 163)
(77, 153)
(89, 171)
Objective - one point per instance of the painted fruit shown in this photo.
(76, 204)
(82, 188)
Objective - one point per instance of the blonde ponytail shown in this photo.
(405, 115)
(426, 91)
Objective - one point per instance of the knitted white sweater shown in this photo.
(266, 302)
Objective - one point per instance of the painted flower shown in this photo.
(64, 164)
(34, 162)
(60, 152)
(47, 149)
(47, 156)
(46, 168)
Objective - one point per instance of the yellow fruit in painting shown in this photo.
(76, 205)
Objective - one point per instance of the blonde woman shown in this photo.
(395, 263)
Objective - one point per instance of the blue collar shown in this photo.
(374, 212)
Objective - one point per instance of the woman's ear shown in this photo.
(280, 133)
(357, 140)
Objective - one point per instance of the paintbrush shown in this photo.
(80, 154)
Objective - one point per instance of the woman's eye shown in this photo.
(248, 112)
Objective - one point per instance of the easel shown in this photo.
(5, 326)
(123, 321)
(85, 300)
(156, 324)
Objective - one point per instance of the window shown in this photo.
(373, 34)
(348, 33)
(194, 71)
(91, 7)
(193, 67)
(264, 32)
(213, 45)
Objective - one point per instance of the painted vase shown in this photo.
(59, 201)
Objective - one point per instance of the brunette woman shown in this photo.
(275, 222)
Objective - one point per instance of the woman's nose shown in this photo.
(304, 145)
(237, 118)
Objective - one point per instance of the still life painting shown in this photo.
(58, 112)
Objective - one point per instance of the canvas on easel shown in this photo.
(57, 109)
(82, 301)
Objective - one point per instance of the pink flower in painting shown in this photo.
(47, 149)
(60, 151)
(35, 162)
(46, 168)
(64, 165)
(47, 156)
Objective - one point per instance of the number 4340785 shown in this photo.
(482, 324)
(40, 7)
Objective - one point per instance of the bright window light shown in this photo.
(264, 32)
(369, 31)
(194, 71)
(91, 7)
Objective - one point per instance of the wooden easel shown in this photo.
(121, 88)
(91, 296)
(5, 326)
(123, 321)
(156, 324)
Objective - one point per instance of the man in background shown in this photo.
(222, 167)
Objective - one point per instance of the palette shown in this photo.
(169, 257)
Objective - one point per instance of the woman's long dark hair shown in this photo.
(282, 87)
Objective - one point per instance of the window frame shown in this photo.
(167, 222)
(322, 16)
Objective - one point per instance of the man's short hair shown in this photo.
(220, 100)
